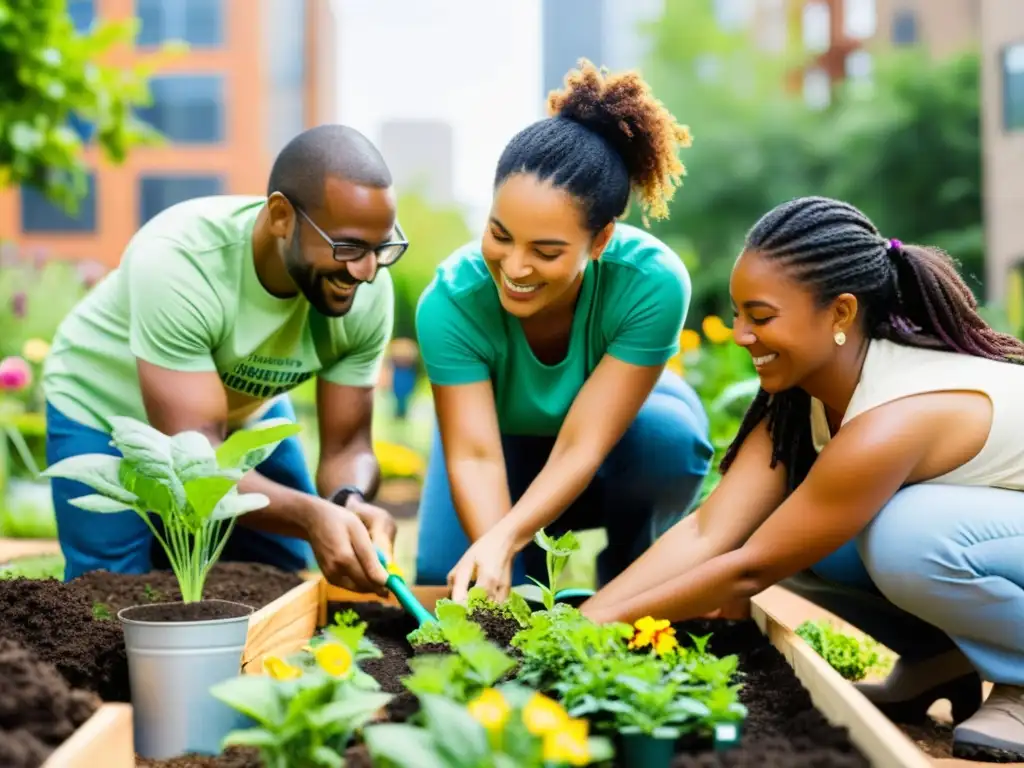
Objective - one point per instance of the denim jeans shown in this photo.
(649, 480)
(121, 542)
(939, 566)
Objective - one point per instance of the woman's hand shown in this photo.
(488, 562)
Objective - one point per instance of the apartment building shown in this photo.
(944, 27)
(1002, 121)
(257, 72)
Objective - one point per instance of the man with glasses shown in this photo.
(220, 306)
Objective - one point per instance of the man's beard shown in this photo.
(310, 283)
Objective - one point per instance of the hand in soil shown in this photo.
(344, 550)
(488, 562)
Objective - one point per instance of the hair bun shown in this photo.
(622, 109)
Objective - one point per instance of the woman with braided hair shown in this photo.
(880, 466)
(546, 343)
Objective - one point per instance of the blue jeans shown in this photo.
(939, 566)
(121, 542)
(649, 480)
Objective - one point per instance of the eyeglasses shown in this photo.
(386, 253)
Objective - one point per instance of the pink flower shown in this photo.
(15, 374)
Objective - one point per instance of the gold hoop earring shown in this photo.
(840, 338)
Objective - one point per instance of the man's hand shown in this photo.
(378, 522)
(488, 562)
(344, 550)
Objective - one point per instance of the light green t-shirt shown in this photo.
(186, 297)
(632, 305)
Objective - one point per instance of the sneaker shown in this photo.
(995, 733)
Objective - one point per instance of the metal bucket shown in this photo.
(171, 667)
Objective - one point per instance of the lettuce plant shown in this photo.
(506, 727)
(184, 481)
(307, 708)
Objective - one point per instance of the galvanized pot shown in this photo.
(171, 668)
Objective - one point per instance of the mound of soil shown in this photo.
(38, 709)
(74, 626)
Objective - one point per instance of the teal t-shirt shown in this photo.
(632, 305)
(186, 297)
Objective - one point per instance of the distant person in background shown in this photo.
(219, 307)
(404, 359)
(546, 345)
(879, 471)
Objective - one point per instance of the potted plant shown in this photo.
(177, 651)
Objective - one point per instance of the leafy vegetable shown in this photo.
(502, 727)
(850, 657)
(182, 480)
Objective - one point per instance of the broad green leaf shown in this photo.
(96, 503)
(139, 442)
(252, 737)
(249, 447)
(193, 455)
(455, 730)
(325, 757)
(235, 504)
(205, 493)
(97, 470)
(353, 710)
(406, 746)
(489, 661)
(254, 695)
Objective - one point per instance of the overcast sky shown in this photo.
(473, 63)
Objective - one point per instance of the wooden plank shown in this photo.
(11, 549)
(881, 742)
(105, 739)
(283, 626)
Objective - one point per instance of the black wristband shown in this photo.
(342, 495)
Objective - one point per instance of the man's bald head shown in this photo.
(302, 168)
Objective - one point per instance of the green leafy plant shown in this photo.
(452, 616)
(506, 727)
(349, 630)
(475, 663)
(184, 481)
(850, 657)
(558, 551)
(514, 606)
(309, 707)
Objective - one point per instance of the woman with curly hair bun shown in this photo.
(546, 343)
(879, 471)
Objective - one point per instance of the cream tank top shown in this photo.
(892, 371)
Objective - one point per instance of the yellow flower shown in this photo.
(657, 633)
(279, 669)
(35, 350)
(334, 658)
(490, 709)
(716, 331)
(689, 340)
(541, 715)
(568, 744)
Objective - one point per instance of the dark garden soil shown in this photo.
(74, 627)
(782, 728)
(38, 709)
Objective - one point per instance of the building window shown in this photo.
(1013, 87)
(817, 27)
(188, 109)
(39, 215)
(200, 23)
(904, 27)
(859, 65)
(156, 193)
(859, 19)
(82, 13)
(817, 88)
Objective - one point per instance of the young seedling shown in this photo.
(558, 551)
(182, 480)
